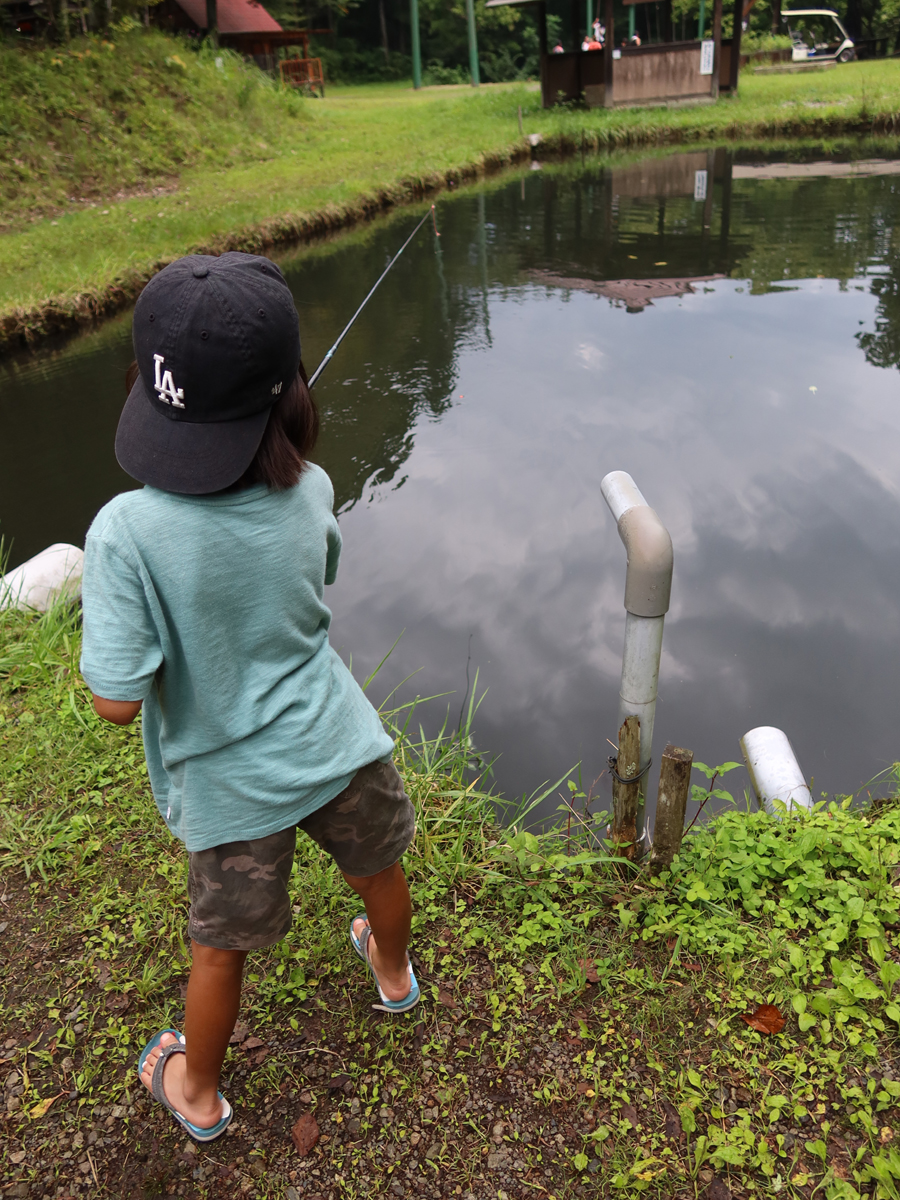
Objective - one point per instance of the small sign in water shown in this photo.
(700, 178)
(707, 55)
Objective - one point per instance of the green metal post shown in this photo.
(590, 18)
(473, 43)
(631, 18)
(702, 19)
(212, 22)
(416, 44)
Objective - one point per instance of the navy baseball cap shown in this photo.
(216, 340)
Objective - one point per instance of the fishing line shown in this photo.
(327, 359)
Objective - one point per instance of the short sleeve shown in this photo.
(121, 651)
(334, 542)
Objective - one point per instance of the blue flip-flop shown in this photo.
(198, 1133)
(361, 946)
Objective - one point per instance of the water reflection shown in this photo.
(720, 335)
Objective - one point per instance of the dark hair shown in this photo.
(289, 439)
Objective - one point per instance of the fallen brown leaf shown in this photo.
(252, 1043)
(628, 1113)
(260, 1056)
(118, 1001)
(240, 1032)
(305, 1134)
(766, 1019)
(718, 1190)
(590, 970)
(337, 1082)
(671, 1120)
(446, 999)
(686, 966)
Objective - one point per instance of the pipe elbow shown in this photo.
(648, 578)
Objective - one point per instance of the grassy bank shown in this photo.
(581, 1034)
(124, 154)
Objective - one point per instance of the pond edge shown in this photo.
(26, 327)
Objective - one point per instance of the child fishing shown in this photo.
(203, 607)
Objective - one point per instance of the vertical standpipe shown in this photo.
(648, 584)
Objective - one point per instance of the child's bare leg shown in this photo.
(389, 909)
(191, 1081)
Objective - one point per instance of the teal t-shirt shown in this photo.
(210, 609)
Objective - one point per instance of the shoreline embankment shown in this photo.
(27, 326)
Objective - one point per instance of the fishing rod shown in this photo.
(327, 359)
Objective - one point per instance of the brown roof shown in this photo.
(233, 16)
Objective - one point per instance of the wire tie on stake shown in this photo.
(611, 763)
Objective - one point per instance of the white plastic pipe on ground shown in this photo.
(37, 583)
(648, 584)
(773, 768)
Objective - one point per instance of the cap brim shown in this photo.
(182, 456)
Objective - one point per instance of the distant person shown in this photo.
(203, 597)
(599, 31)
(558, 49)
(593, 44)
(586, 44)
(634, 40)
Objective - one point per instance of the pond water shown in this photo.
(726, 331)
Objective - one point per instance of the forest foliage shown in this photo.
(369, 40)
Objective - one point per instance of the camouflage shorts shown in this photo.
(239, 891)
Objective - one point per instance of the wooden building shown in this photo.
(243, 25)
(623, 74)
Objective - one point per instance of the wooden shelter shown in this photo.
(624, 74)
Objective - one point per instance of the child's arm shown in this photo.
(120, 712)
(121, 652)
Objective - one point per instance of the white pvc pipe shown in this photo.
(648, 581)
(773, 768)
(621, 493)
(40, 581)
(640, 675)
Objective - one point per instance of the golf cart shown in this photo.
(817, 36)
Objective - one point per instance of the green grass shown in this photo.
(582, 1030)
(122, 158)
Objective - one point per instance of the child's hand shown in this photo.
(120, 712)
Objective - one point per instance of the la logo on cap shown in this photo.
(165, 385)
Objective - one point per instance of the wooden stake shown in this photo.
(674, 786)
(521, 131)
(625, 795)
